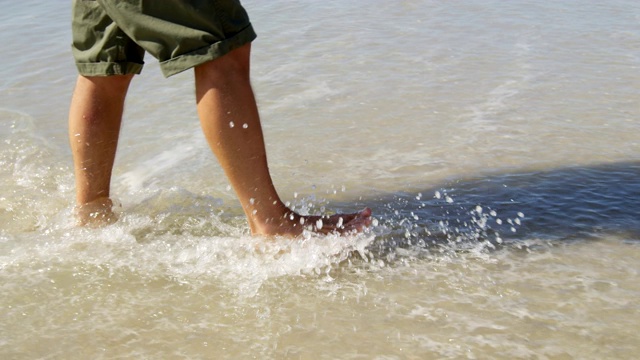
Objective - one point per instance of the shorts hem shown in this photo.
(109, 68)
(200, 56)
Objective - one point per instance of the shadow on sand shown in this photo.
(572, 203)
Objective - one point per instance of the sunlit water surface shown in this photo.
(497, 143)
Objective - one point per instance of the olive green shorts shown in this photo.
(110, 37)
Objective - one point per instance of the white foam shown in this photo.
(144, 174)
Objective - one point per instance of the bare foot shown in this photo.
(96, 213)
(293, 224)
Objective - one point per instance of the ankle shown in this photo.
(96, 213)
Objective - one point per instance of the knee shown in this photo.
(112, 83)
(229, 66)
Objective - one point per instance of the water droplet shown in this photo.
(517, 221)
(520, 214)
(438, 195)
(319, 224)
(252, 201)
(493, 213)
(479, 209)
(340, 221)
(448, 199)
(419, 196)
(499, 221)
(301, 221)
(245, 125)
(231, 124)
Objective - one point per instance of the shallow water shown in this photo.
(497, 144)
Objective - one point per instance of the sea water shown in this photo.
(497, 143)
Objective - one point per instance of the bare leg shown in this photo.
(231, 124)
(94, 127)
